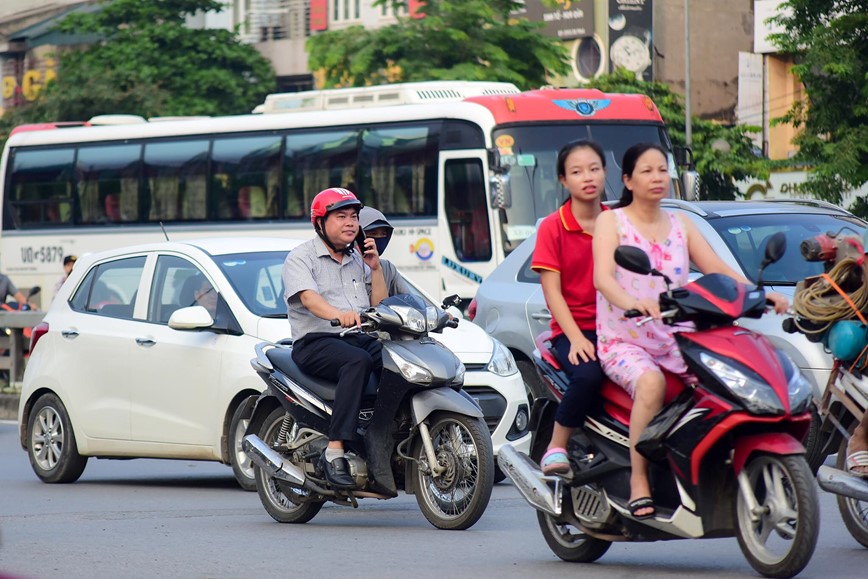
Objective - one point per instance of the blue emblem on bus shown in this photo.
(585, 107)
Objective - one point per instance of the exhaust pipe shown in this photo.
(841, 483)
(271, 462)
(541, 491)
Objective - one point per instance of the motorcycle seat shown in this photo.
(619, 404)
(281, 358)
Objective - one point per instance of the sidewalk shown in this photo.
(8, 406)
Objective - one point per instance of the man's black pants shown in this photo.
(349, 361)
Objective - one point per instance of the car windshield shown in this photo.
(256, 278)
(536, 191)
(746, 236)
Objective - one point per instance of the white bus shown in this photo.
(462, 178)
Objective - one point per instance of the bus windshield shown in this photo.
(536, 191)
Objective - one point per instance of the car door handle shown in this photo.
(71, 334)
(542, 315)
(148, 342)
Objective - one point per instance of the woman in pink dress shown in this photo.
(635, 356)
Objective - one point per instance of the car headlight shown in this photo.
(799, 387)
(756, 395)
(412, 318)
(410, 371)
(502, 363)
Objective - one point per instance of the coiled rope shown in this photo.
(824, 302)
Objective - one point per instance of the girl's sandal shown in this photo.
(555, 461)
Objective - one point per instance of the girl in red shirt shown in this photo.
(563, 257)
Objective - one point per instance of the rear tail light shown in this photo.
(38, 332)
(471, 310)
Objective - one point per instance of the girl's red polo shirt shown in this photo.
(563, 246)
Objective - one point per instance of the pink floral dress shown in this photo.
(626, 351)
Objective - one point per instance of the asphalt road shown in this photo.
(156, 518)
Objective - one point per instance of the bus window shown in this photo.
(176, 176)
(108, 183)
(467, 209)
(318, 160)
(398, 169)
(245, 177)
(41, 186)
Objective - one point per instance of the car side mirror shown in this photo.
(191, 318)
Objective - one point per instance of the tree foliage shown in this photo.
(149, 63)
(829, 39)
(722, 154)
(456, 40)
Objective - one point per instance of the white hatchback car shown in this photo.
(112, 376)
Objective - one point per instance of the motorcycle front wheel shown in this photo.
(285, 503)
(456, 497)
(779, 537)
(853, 511)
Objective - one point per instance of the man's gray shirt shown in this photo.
(7, 288)
(345, 285)
(395, 282)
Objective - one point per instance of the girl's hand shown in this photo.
(648, 307)
(582, 348)
(780, 302)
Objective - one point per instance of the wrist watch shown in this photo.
(632, 50)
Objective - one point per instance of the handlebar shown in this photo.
(646, 319)
(632, 314)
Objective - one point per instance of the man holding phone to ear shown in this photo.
(325, 279)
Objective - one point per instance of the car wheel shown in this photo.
(51, 443)
(242, 466)
(532, 384)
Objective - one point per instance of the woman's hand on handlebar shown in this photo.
(648, 307)
(779, 301)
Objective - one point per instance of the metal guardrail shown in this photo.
(16, 322)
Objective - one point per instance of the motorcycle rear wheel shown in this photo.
(853, 511)
(567, 542)
(283, 502)
(782, 541)
(456, 498)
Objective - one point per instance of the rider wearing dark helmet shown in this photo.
(325, 279)
(376, 226)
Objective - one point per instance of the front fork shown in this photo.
(428, 445)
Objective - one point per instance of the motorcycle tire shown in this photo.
(456, 498)
(564, 540)
(51, 445)
(814, 442)
(853, 511)
(242, 466)
(285, 503)
(782, 542)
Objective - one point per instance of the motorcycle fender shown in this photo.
(779, 443)
(428, 401)
(261, 407)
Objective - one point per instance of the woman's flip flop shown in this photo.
(858, 459)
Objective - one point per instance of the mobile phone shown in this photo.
(360, 239)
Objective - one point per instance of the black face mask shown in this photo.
(382, 243)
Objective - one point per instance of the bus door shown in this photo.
(466, 229)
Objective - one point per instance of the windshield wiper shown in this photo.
(273, 316)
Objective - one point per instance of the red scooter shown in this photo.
(726, 457)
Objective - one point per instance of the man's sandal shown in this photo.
(555, 461)
(858, 459)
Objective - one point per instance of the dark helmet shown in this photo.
(332, 199)
(370, 219)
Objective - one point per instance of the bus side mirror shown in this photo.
(501, 191)
(683, 157)
(690, 184)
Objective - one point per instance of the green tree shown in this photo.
(455, 40)
(722, 154)
(828, 39)
(149, 63)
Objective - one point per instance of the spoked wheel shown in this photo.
(285, 503)
(242, 466)
(51, 443)
(853, 511)
(456, 497)
(779, 535)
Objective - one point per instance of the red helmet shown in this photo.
(330, 200)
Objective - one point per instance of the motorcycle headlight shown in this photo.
(502, 363)
(756, 395)
(799, 387)
(459, 374)
(412, 318)
(410, 371)
(431, 316)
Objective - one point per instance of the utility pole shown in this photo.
(688, 129)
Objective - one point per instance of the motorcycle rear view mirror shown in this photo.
(635, 260)
(33, 291)
(776, 246)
